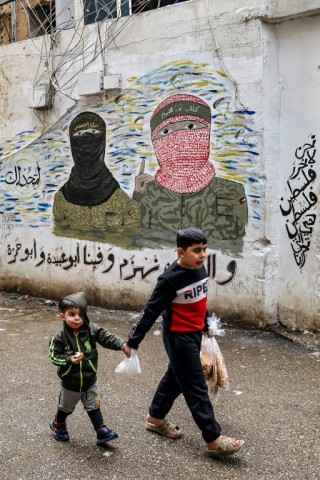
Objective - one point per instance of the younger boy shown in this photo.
(181, 296)
(73, 350)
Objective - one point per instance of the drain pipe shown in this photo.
(13, 21)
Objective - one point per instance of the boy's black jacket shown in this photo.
(65, 343)
(180, 295)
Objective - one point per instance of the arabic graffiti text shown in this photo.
(298, 206)
(105, 261)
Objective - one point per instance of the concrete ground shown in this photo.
(273, 403)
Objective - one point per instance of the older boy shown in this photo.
(181, 296)
(73, 350)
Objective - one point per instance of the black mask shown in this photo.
(90, 182)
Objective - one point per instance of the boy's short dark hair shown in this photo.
(189, 235)
(65, 304)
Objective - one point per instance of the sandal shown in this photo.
(225, 447)
(166, 429)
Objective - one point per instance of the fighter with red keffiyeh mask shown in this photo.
(181, 140)
(185, 190)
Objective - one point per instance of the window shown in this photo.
(138, 6)
(41, 20)
(5, 26)
(97, 10)
(20, 20)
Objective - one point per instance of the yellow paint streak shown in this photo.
(204, 83)
(236, 178)
(228, 154)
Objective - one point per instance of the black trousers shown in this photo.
(185, 375)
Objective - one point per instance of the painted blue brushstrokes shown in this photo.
(244, 112)
(251, 152)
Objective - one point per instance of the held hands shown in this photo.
(129, 365)
(126, 350)
(77, 357)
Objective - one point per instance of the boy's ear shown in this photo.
(62, 315)
(180, 251)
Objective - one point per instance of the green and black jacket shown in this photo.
(65, 343)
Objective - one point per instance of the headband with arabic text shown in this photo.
(85, 121)
(180, 108)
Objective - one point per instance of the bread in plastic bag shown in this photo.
(129, 366)
(212, 360)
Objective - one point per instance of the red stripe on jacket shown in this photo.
(188, 317)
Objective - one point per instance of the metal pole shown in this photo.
(13, 22)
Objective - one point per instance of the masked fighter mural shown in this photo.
(185, 189)
(91, 199)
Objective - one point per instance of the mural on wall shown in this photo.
(185, 190)
(298, 205)
(211, 181)
(91, 199)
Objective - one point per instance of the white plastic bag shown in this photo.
(215, 325)
(212, 360)
(129, 366)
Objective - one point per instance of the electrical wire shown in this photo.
(42, 25)
(86, 45)
(223, 65)
(104, 44)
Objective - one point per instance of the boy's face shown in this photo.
(72, 317)
(192, 257)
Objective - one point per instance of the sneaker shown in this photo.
(104, 435)
(60, 431)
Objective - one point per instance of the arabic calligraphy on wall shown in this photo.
(23, 175)
(299, 206)
(106, 261)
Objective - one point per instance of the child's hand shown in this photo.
(77, 357)
(209, 334)
(126, 350)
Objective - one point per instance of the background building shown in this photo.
(98, 98)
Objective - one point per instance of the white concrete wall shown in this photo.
(265, 64)
(298, 82)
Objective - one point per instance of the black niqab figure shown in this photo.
(90, 182)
